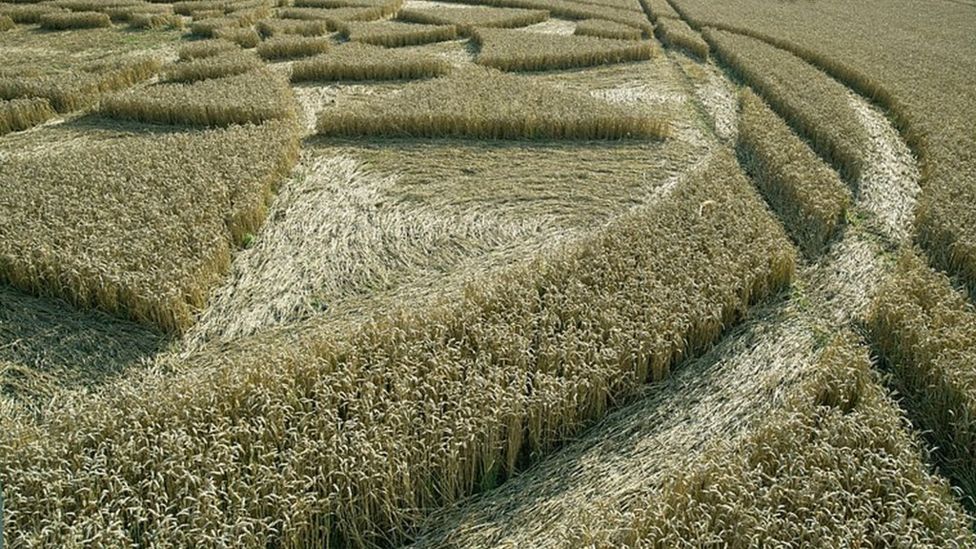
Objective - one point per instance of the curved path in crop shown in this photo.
(719, 396)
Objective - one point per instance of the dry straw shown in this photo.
(602, 28)
(124, 14)
(657, 9)
(466, 19)
(835, 464)
(356, 61)
(285, 47)
(482, 103)
(74, 20)
(6, 23)
(209, 26)
(391, 6)
(394, 34)
(245, 38)
(570, 9)
(808, 196)
(223, 6)
(188, 8)
(278, 27)
(21, 114)
(142, 224)
(511, 50)
(814, 105)
(27, 14)
(628, 5)
(384, 8)
(334, 17)
(213, 66)
(675, 33)
(206, 48)
(93, 5)
(413, 409)
(71, 91)
(248, 98)
(200, 15)
(155, 21)
(926, 332)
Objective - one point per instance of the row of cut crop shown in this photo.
(816, 106)
(511, 50)
(807, 195)
(486, 104)
(247, 98)
(357, 61)
(70, 91)
(926, 332)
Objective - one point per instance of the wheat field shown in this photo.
(487, 274)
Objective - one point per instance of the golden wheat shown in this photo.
(334, 17)
(926, 332)
(123, 14)
(602, 28)
(511, 50)
(201, 15)
(20, 114)
(657, 9)
(214, 66)
(385, 8)
(206, 48)
(808, 196)
(816, 106)
(357, 61)
(278, 27)
(155, 21)
(629, 5)
(246, 98)
(927, 98)
(29, 14)
(835, 464)
(224, 6)
(70, 91)
(243, 37)
(284, 47)
(93, 5)
(413, 409)
(394, 34)
(188, 8)
(466, 19)
(391, 6)
(103, 238)
(74, 20)
(675, 33)
(483, 103)
(570, 9)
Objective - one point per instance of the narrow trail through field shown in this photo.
(719, 396)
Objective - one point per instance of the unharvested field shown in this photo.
(510, 50)
(809, 197)
(496, 273)
(455, 106)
